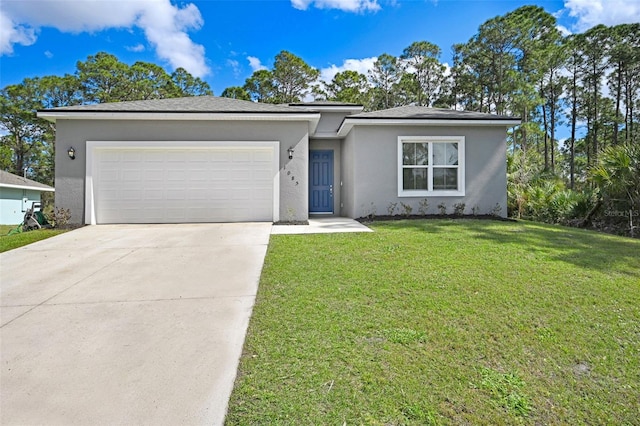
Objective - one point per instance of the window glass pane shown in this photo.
(438, 154)
(422, 154)
(414, 179)
(445, 154)
(408, 154)
(415, 154)
(445, 179)
(451, 154)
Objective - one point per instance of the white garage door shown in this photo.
(160, 184)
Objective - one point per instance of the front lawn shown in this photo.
(10, 242)
(444, 322)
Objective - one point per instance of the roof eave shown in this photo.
(53, 115)
(349, 122)
(28, 187)
(313, 118)
(329, 108)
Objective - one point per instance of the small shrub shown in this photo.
(57, 217)
(496, 210)
(475, 210)
(406, 209)
(443, 208)
(423, 205)
(391, 208)
(371, 213)
(458, 209)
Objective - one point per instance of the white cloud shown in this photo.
(255, 64)
(235, 65)
(344, 5)
(447, 69)
(48, 54)
(590, 13)
(137, 48)
(11, 34)
(564, 30)
(360, 65)
(165, 26)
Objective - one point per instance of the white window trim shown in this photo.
(460, 140)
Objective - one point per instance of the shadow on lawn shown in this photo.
(586, 249)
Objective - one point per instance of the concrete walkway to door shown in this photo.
(322, 225)
(127, 324)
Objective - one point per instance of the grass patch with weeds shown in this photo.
(10, 242)
(444, 322)
(506, 390)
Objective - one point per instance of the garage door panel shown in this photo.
(262, 175)
(242, 194)
(165, 185)
(151, 194)
(129, 195)
(241, 156)
(110, 194)
(220, 156)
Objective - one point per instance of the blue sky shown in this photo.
(223, 42)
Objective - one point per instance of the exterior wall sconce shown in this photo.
(290, 151)
(71, 152)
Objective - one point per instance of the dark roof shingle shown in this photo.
(192, 104)
(425, 113)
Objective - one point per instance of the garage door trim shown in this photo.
(94, 146)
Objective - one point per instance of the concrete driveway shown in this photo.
(127, 324)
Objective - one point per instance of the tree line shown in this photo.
(27, 149)
(517, 64)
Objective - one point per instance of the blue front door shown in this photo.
(321, 181)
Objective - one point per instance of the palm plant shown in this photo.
(617, 176)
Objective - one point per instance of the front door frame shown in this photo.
(327, 186)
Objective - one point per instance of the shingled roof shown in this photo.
(192, 104)
(9, 180)
(424, 113)
(325, 104)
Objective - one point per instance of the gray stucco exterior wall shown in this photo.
(348, 175)
(70, 174)
(371, 169)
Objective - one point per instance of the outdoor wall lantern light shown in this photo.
(72, 153)
(290, 151)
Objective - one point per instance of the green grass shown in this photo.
(444, 322)
(10, 242)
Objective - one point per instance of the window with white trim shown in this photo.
(430, 166)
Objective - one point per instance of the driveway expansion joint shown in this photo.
(67, 288)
